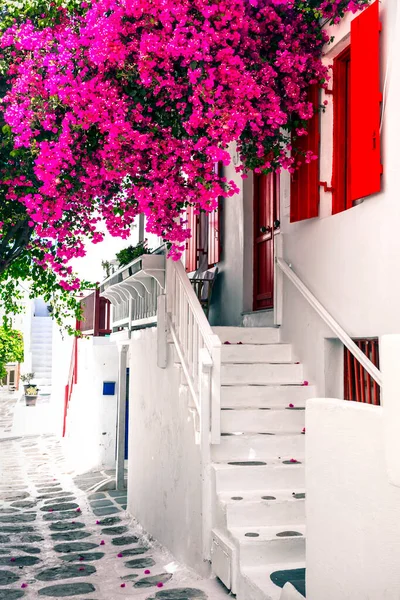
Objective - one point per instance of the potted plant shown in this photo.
(27, 378)
(31, 394)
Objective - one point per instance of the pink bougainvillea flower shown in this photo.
(291, 405)
(123, 585)
(160, 584)
(305, 382)
(120, 555)
(147, 572)
(102, 543)
(24, 585)
(97, 522)
(78, 509)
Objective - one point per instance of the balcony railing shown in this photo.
(96, 315)
(133, 291)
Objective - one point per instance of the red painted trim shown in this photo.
(324, 184)
(341, 135)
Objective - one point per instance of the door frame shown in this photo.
(276, 215)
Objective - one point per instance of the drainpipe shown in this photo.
(121, 417)
(141, 227)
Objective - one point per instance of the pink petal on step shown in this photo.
(97, 522)
(291, 405)
(24, 585)
(120, 555)
(305, 382)
(147, 572)
(123, 584)
(227, 343)
(304, 430)
(160, 584)
(81, 568)
(13, 559)
(102, 543)
(78, 510)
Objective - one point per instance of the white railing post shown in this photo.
(278, 278)
(205, 368)
(216, 393)
(389, 351)
(162, 344)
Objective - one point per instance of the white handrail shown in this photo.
(192, 334)
(330, 321)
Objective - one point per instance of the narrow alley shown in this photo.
(60, 539)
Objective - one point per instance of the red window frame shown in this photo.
(304, 183)
(358, 383)
(341, 197)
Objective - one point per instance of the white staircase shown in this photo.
(258, 468)
(41, 347)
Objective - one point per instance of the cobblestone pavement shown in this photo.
(59, 540)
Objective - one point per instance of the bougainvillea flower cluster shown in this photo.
(123, 107)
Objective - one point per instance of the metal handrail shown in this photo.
(330, 321)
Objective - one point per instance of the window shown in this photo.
(341, 132)
(304, 185)
(356, 100)
(358, 384)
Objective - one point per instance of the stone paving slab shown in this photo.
(59, 539)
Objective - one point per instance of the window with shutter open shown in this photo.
(356, 103)
(214, 238)
(191, 243)
(304, 186)
(365, 99)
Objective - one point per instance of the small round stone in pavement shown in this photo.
(75, 547)
(115, 530)
(60, 506)
(299, 496)
(252, 534)
(7, 577)
(30, 538)
(289, 534)
(67, 589)
(60, 516)
(100, 503)
(105, 510)
(24, 503)
(68, 536)
(4, 539)
(5, 550)
(16, 529)
(180, 594)
(109, 521)
(60, 499)
(6, 594)
(87, 556)
(97, 496)
(134, 551)
(20, 561)
(60, 526)
(140, 563)
(7, 511)
(18, 518)
(130, 577)
(28, 549)
(153, 580)
(124, 540)
(17, 496)
(268, 498)
(66, 572)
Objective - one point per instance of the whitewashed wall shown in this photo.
(353, 512)
(91, 425)
(164, 475)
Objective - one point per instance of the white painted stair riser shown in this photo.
(283, 477)
(262, 513)
(265, 395)
(260, 420)
(275, 353)
(248, 335)
(279, 550)
(257, 446)
(261, 374)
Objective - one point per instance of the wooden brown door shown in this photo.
(266, 225)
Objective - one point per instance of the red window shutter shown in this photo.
(214, 240)
(191, 243)
(365, 98)
(304, 188)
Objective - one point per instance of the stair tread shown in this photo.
(250, 497)
(266, 533)
(225, 465)
(260, 577)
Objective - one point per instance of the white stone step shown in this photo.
(260, 509)
(256, 582)
(264, 374)
(265, 395)
(269, 546)
(273, 475)
(256, 446)
(248, 335)
(256, 353)
(261, 420)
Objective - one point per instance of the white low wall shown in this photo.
(91, 424)
(164, 474)
(353, 512)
